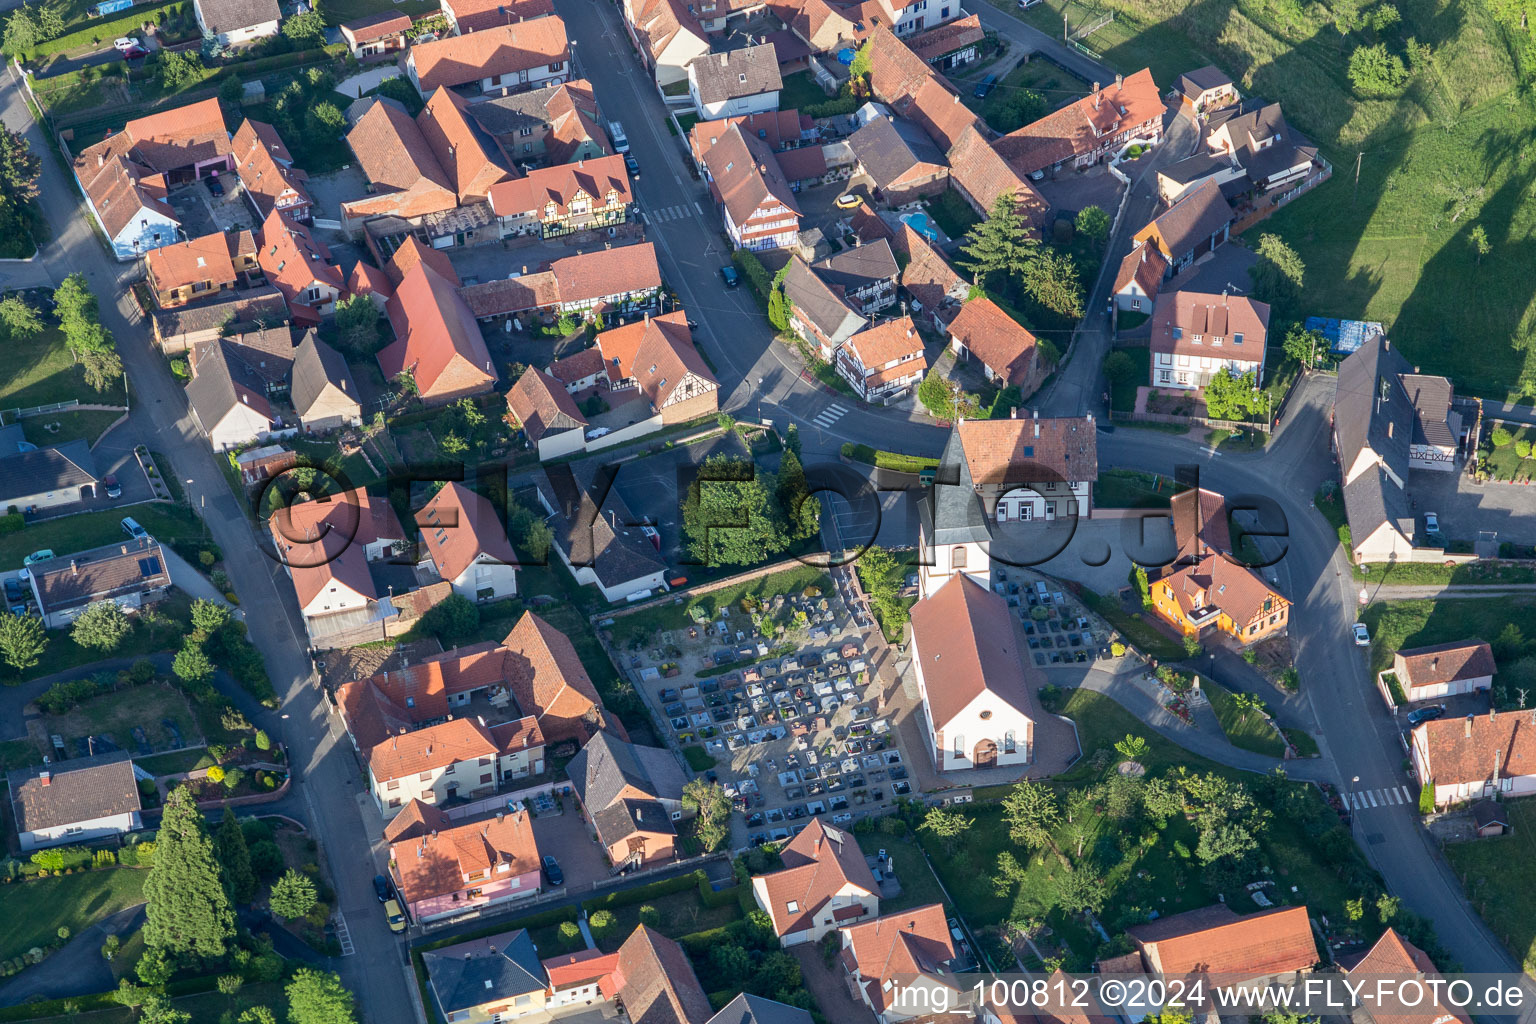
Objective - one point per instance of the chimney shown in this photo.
(1013, 413)
(100, 159)
(1095, 95)
(73, 567)
(1466, 731)
(1119, 81)
(45, 778)
(1492, 714)
(1496, 759)
(725, 58)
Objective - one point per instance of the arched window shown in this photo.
(1008, 744)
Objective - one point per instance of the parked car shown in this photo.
(593, 435)
(126, 43)
(132, 528)
(848, 200)
(114, 489)
(985, 86)
(1362, 635)
(135, 53)
(381, 888)
(14, 591)
(38, 556)
(617, 136)
(1428, 713)
(215, 186)
(395, 916)
(632, 165)
(552, 872)
(1432, 535)
(730, 277)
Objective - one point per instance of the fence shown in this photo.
(1168, 417)
(498, 802)
(43, 410)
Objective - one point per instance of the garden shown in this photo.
(632, 631)
(1506, 455)
(1496, 873)
(1507, 623)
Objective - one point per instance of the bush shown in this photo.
(756, 274)
(1500, 436)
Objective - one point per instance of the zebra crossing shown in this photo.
(662, 214)
(1387, 796)
(830, 415)
(344, 936)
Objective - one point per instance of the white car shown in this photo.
(1362, 636)
(126, 43)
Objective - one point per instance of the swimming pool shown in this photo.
(919, 223)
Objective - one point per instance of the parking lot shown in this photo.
(1468, 509)
(567, 838)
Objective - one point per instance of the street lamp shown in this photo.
(202, 506)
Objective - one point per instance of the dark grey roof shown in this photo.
(472, 973)
(316, 364)
(607, 765)
(223, 380)
(750, 1009)
(1199, 166)
(232, 15)
(1373, 499)
(1371, 409)
(1489, 812)
(593, 526)
(860, 266)
(59, 468)
(816, 302)
(80, 789)
(744, 72)
(1288, 148)
(618, 821)
(1431, 398)
(886, 152)
(110, 571)
(360, 106)
(951, 511)
(13, 439)
(1225, 271)
(1193, 83)
(1200, 214)
(262, 306)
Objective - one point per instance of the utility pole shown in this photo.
(1064, 36)
(1356, 196)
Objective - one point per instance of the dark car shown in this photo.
(729, 275)
(985, 87)
(1428, 713)
(552, 871)
(215, 186)
(632, 165)
(381, 887)
(114, 488)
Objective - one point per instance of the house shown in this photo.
(936, 108)
(935, 288)
(403, 175)
(896, 71)
(1191, 227)
(466, 867)
(74, 801)
(1206, 586)
(267, 174)
(667, 35)
(367, 279)
(825, 885)
(180, 328)
(949, 46)
(780, 130)
(907, 17)
(979, 705)
(323, 393)
(1089, 130)
(1388, 420)
(1214, 940)
(47, 477)
(1476, 757)
(735, 83)
(911, 949)
(130, 574)
(563, 199)
(1461, 666)
(230, 395)
(981, 176)
(548, 681)
(437, 340)
(199, 267)
(376, 35)
(236, 22)
(126, 178)
(747, 1008)
(301, 268)
(900, 160)
(656, 984)
(470, 159)
(883, 362)
(499, 977)
(1391, 958)
(864, 275)
(825, 28)
(1271, 153)
(1139, 279)
(256, 465)
(500, 59)
(656, 356)
(474, 15)
(631, 795)
(580, 977)
(755, 199)
(1176, 179)
(820, 314)
(555, 124)
(596, 535)
(546, 413)
(1205, 89)
(467, 544)
(1005, 350)
(1196, 335)
(623, 279)
(1016, 470)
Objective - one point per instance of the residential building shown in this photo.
(1275, 943)
(755, 198)
(1089, 130)
(1206, 89)
(781, 131)
(978, 693)
(548, 681)
(747, 1008)
(469, 158)
(883, 362)
(596, 535)
(466, 867)
(908, 17)
(467, 544)
(564, 198)
(554, 124)
(1480, 756)
(237, 22)
(130, 574)
(632, 795)
(1176, 179)
(906, 951)
(1394, 956)
(200, 267)
(865, 276)
(735, 83)
(900, 160)
(74, 801)
(267, 174)
(474, 15)
(376, 36)
(456, 759)
(825, 28)
(656, 983)
(500, 59)
(367, 279)
(896, 72)
(1195, 225)
(949, 46)
(820, 314)
(546, 413)
(620, 280)
(230, 393)
(126, 178)
(1018, 470)
(1139, 279)
(437, 340)
(656, 356)
(935, 288)
(1443, 670)
(825, 885)
(323, 393)
(404, 178)
(1206, 585)
(257, 465)
(580, 977)
(46, 477)
(982, 176)
(937, 109)
(412, 252)
(180, 328)
(496, 978)
(1271, 153)
(301, 268)
(1004, 349)
(667, 35)
(1196, 335)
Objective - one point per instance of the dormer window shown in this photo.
(1178, 332)
(1237, 339)
(1197, 339)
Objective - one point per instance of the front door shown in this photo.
(985, 754)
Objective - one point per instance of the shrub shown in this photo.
(263, 741)
(1500, 436)
(1523, 448)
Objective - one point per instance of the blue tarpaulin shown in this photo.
(1344, 336)
(845, 56)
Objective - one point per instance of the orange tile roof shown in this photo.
(1465, 750)
(488, 53)
(656, 352)
(376, 26)
(540, 404)
(896, 73)
(596, 180)
(774, 127)
(395, 157)
(435, 865)
(458, 526)
(266, 169)
(187, 263)
(1075, 130)
(434, 332)
(1017, 450)
(936, 107)
(927, 277)
(997, 340)
(168, 139)
(293, 261)
(1445, 663)
(471, 168)
(580, 968)
(1215, 940)
(947, 38)
(119, 188)
(886, 342)
(657, 22)
(818, 863)
(746, 177)
(322, 541)
(416, 819)
(413, 251)
(430, 749)
(1144, 265)
(593, 275)
(656, 982)
(1217, 320)
(366, 279)
(965, 630)
(475, 15)
(548, 680)
(898, 946)
(395, 701)
(1395, 957)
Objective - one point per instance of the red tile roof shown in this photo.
(657, 353)
(395, 157)
(603, 272)
(266, 169)
(1465, 750)
(1076, 129)
(190, 262)
(937, 108)
(897, 947)
(571, 970)
(981, 173)
(656, 981)
(294, 260)
(1215, 940)
(1444, 663)
(1216, 320)
(745, 176)
(997, 340)
(1395, 957)
(896, 73)
(947, 38)
(436, 337)
(471, 169)
(774, 127)
(540, 404)
(416, 819)
(430, 749)
(549, 681)
(366, 279)
(603, 181)
(1028, 450)
(475, 15)
(413, 251)
(965, 637)
(819, 863)
(1144, 265)
(488, 53)
(435, 865)
(376, 26)
(458, 526)
(886, 342)
(322, 541)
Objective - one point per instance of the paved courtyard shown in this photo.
(1467, 508)
(652, 488)
(568, 839)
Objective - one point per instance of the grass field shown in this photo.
(116, 714)
(1130, 488)
(43, 372)
(63, 653)
(85, 426)
(1496, 874)
(1122, 393)
(37, 907)
(1505, 462)
(800, 90)
(1398, 624)
(166, 523)
(919, 886)
(1245, 727)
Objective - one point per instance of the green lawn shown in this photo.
(43, 372)
(800, 91)
(1050, 82)
(1398, 624)
(62, 653)
(1131, 488)
(338, 11)
(167, 523)
(177, 762)
(116, 714)
(1122, 391)
(85, 426)
(952, 213)
(1305, 745)
(37, 907)
(1505, 462)
(642, 625)
(1245, 727)
(1430, 573)
(679, 913)
(1496, 873)
(919, 886)
(1141, 633)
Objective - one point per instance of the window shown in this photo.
(957, 560)
(523, 1000)
(1197, 338)
(557, 65)
(484, 761)
(425, 777)
(1164, 377)
(1135, 303)
(395, 802)
(1237, 339)
(450, 769)
(393, 784)
(985, 715)
(793, 906)
(484, 778)
(960, 746)
(1009, 745)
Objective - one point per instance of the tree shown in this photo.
(234, 859)
(22, 31)
(801, 510)
(110, 948)
(20, 320)
(601, 922)
(102, 626)
(103, 367)
(158, 1010)
(406, 382)
(306, 31)
(1277, 274)
(1000, 244)
(1229, 396)
(792, 440)
(318, 997)
(187, 908)
(949, 826)
(453, 444)
(1119, 367)
(325, 120)
(357, 325)
(1374, 70)
(1080, 890)
(451, 619)
(1303, 345)
(191, 664)
(22, 640)
(1479, 242)
(538, 540)
(178, 69)
(209, 617)
(862, 62)
(1142, 585)
(257, 1015)
(1015, 109)
(232, 91)
(1093, 222)
(778, 310)
(713, 807)
(1132, 748)
(292, 896)
(154, 967)
(1031, 812)
(727, 517)
(73, 300)
(1051, 279)
(1387, 908)
(19, 167)
(731, 961)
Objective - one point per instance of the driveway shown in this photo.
(76, 968)
(566, 836)
(1468, 509)
(828, 988)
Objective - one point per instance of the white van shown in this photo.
(619, 139)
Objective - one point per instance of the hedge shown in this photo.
(756, 274)
(101, 31)
(58, 1007)
(712, 897)
(700, 943)
(542, 919)
(642, 893)
(896, 462)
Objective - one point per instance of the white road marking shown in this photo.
(699, 208)
(1407, 796)
(344, 936)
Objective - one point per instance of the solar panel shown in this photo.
(149, 566)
